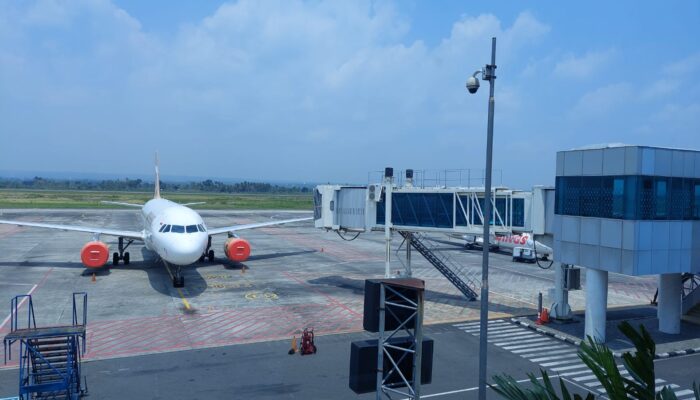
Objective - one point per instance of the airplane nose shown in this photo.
(185, 251)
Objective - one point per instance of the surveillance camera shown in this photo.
(472, 84)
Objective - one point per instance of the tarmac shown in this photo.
(296, 277)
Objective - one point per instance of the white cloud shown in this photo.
(603, 101)
(659, 88)
(683, 67)
(584, 66)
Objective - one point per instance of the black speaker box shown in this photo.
(363, 364)
(370, 320)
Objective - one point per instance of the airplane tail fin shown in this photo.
(157, 192)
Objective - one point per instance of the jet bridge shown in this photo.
(414, 211)
(439, 210)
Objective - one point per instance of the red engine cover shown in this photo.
(237, 249)
(94, 254)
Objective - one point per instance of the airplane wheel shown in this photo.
(201, 258)
(210, 255)
(126, 258)
(115, 258)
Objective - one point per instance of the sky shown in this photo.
(327, 91)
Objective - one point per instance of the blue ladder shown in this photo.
(50, 357)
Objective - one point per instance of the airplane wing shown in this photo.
(196, 203)
(102, 231)
(225, 229)
(119, 203)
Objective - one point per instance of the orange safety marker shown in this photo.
(294, 346)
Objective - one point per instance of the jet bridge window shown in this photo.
(178, 229)
(191, 228)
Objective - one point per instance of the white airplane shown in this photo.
(523, 240)
(173, 231)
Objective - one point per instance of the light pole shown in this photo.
(488, 74)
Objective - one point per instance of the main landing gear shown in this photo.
(208, 253)
(122, 255)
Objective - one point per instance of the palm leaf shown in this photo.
(602, 363)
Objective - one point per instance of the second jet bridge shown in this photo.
(413, 211)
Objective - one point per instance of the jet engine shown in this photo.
(94, 254)
(237, 249)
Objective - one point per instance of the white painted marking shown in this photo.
(425, 396)
(683, 392)
(477, 323)
(551, 364)
(511, 337)
(508, 343)
(491, 328)
(563, 349)
(580, 365)
(557, 357)
(540, 350)
(585, 371)
(7, 319)
(512, 334)
(585, 378)
(533, 345)
(672, 386)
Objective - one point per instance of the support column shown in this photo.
(409, 239)
(669, 308)
(560, 309)
(596, 303)
(388, 186)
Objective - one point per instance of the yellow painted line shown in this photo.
(182, 296)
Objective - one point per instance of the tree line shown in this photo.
(138, 185)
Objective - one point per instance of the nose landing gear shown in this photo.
(178, 279)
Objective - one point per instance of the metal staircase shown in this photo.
(50, 357)
(690, 305)
(459, 276)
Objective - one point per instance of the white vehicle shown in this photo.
(523, 254)
(522, 241)
(173, 231)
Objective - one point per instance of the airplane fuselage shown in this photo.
(176, 233)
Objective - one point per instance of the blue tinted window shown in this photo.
(590, 192)
(422, 209)
(696, 202)
(631, 203)
(178, 229)
(618, 198)
(518, 212)
(645, 205)
(628, 197)
(660, 199)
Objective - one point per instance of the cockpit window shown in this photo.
(201, 228)
(178, 229)
(162, 228)
(191, 228)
